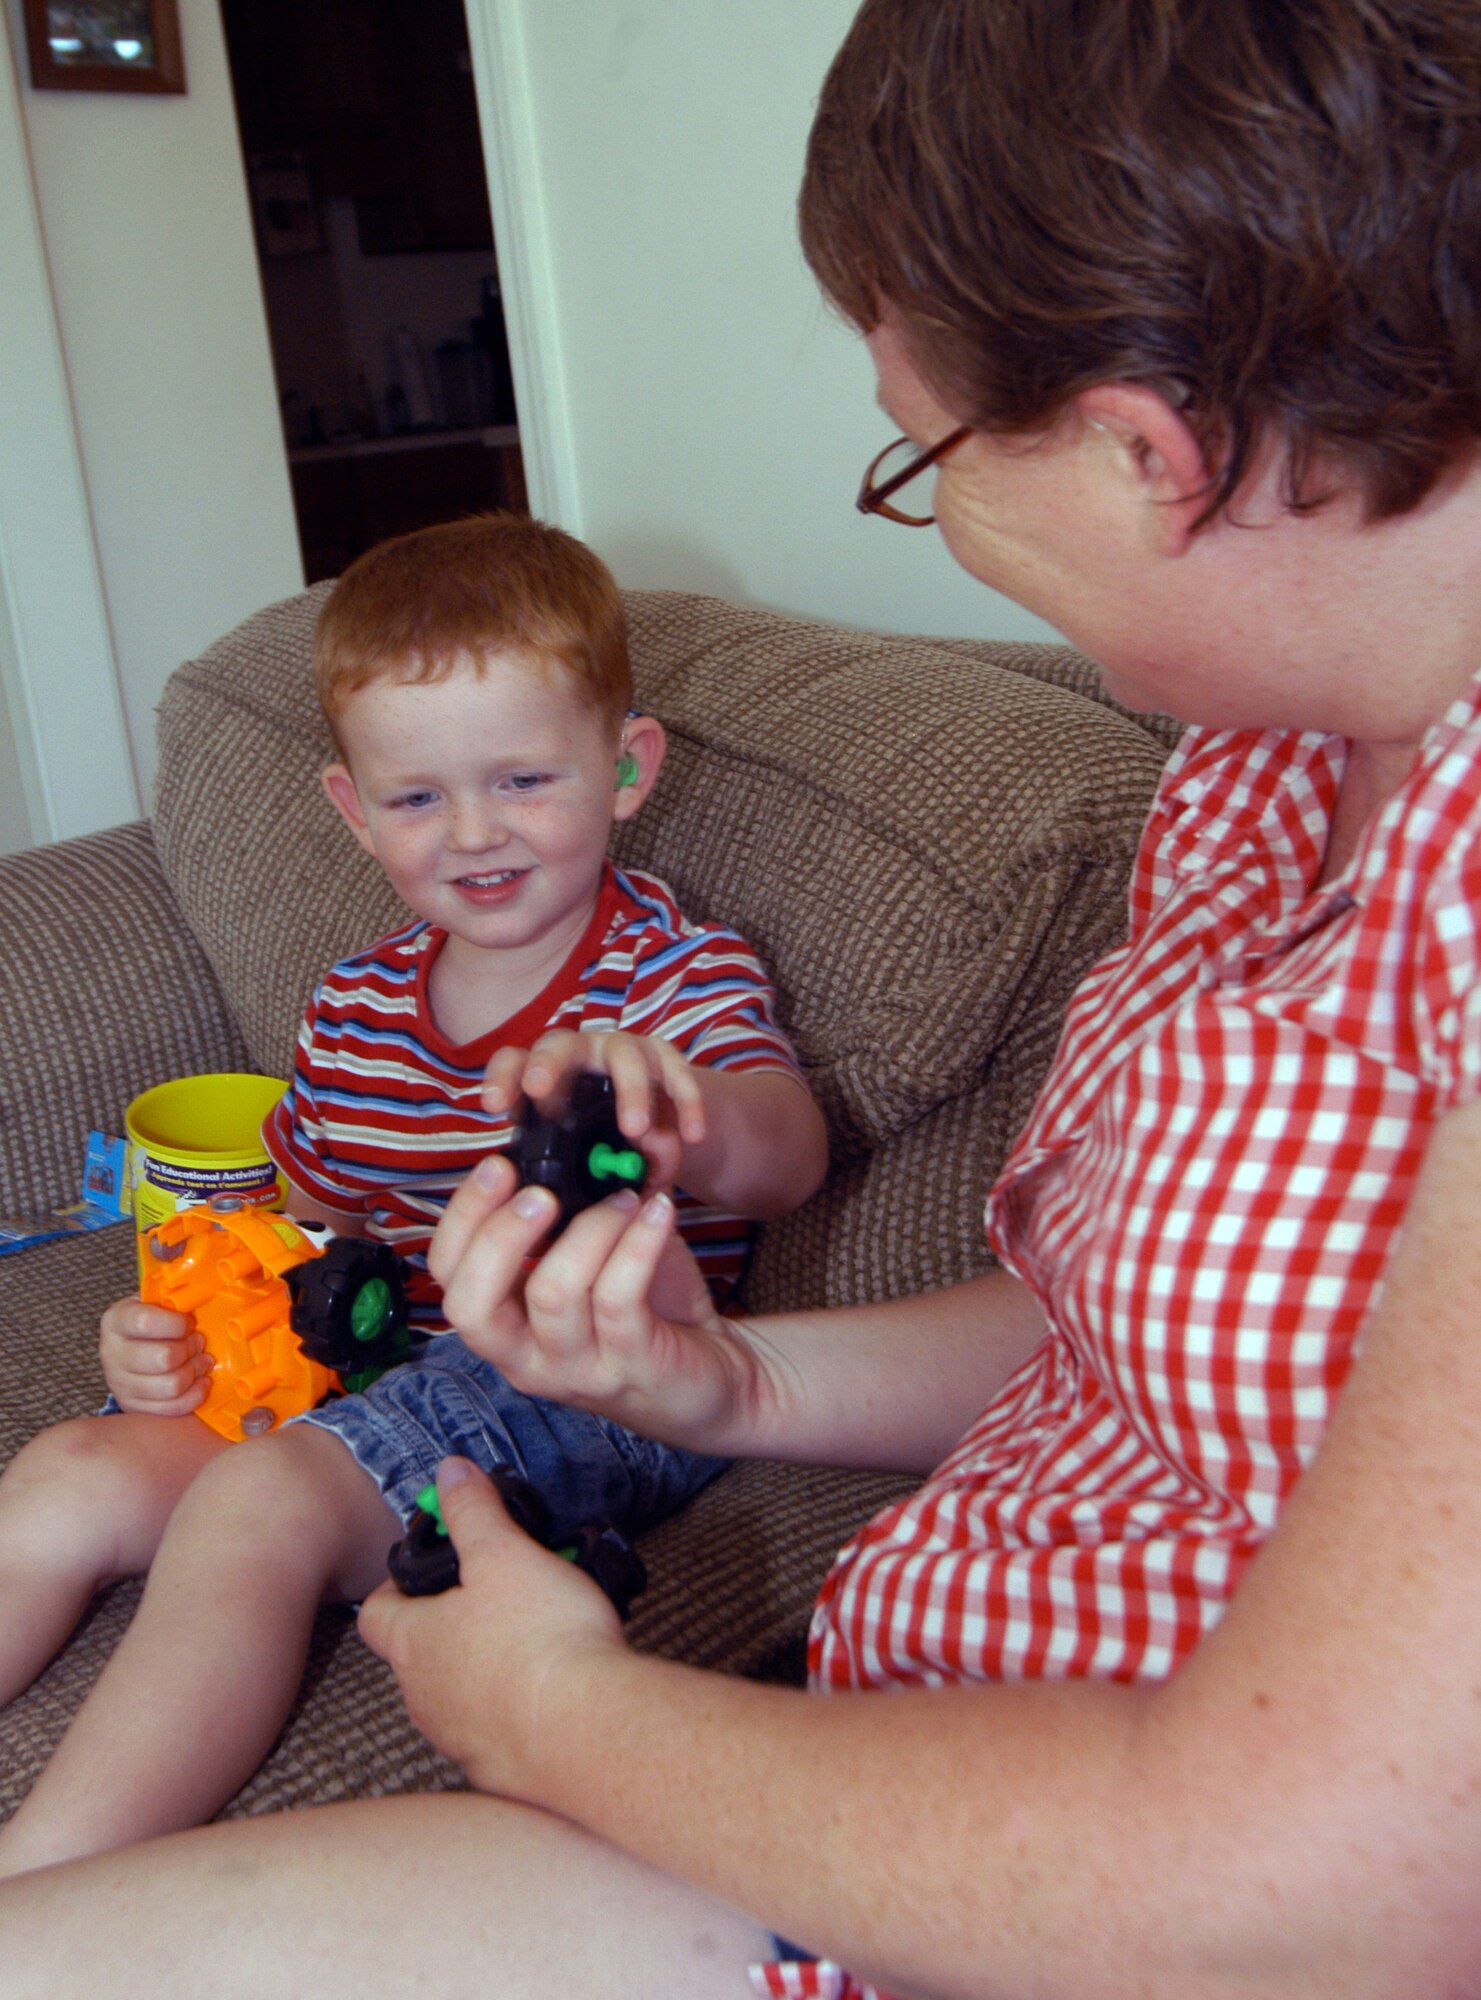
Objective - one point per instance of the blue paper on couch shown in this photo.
(105, 1200)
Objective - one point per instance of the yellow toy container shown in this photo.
(197, 1137)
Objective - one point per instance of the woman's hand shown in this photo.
(152, 1361)
(659, 1104)
(477, 1664)
(615, 1317)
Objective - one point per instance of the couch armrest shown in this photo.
(103, 992)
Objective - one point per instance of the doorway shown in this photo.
(359, 129)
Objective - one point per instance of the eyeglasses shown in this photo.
(880, 482)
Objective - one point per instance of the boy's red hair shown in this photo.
(419, 606)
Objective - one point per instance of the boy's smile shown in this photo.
(490, 890)
(487, 796)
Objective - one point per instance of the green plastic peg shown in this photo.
(372, 1310)
(429, 1503)
(612, 1163)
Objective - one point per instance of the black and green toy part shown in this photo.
(580, 1152)
(424, 1562)
(349, 1310)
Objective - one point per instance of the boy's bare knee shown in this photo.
(299, 1496)
(266, 1478)
(73, 1484)
(82, 1452)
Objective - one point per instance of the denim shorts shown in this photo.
(450, 1402)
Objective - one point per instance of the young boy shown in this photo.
(476, 680)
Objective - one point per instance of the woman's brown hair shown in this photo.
(1270, 210)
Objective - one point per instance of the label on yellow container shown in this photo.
(200, 1136)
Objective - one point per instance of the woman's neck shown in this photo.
(1373, 773)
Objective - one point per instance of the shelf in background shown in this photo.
(491, 437)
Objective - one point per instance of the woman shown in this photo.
(1177, 296)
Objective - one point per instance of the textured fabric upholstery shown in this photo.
(103, 992)
(272, 885)
(928, 845)
(928, 841)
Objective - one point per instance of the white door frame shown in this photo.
(58, 667)
(516, 197)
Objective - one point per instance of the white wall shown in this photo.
(66, 765)
(148, 244)
(704, 421)
(15, 817)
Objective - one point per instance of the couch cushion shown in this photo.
(271, 883)
(928, 841)
(894, 824)
(103, 991)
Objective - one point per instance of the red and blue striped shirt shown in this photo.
(383, 1115)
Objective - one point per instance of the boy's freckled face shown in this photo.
(487, 797)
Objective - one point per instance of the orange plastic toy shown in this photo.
(223, 1269)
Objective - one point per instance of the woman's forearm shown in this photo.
(616, 1317)
(880, 1830)
(976, 1844)
(1069, 1842)
(890, 1386)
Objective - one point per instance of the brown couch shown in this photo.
(928, 841)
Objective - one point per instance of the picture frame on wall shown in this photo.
(105, 45)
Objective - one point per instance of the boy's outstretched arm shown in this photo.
(765, 1148)
(750, 1141)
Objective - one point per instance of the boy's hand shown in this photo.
(615, 1317)
(152, 1361)
(659, 1104)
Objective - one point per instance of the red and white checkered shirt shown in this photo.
(1204, 1200)
(808, 1979)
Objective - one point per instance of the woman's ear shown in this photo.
(1159, 452)
(639, 760)
(340, 787)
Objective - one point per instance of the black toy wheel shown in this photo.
(424, 1562)
(610, 1560)
(580, 1153)
(522, 1503)
(348, 1307)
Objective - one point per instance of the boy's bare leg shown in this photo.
(82, 1505)
(440, 1895)
(197, 1691)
